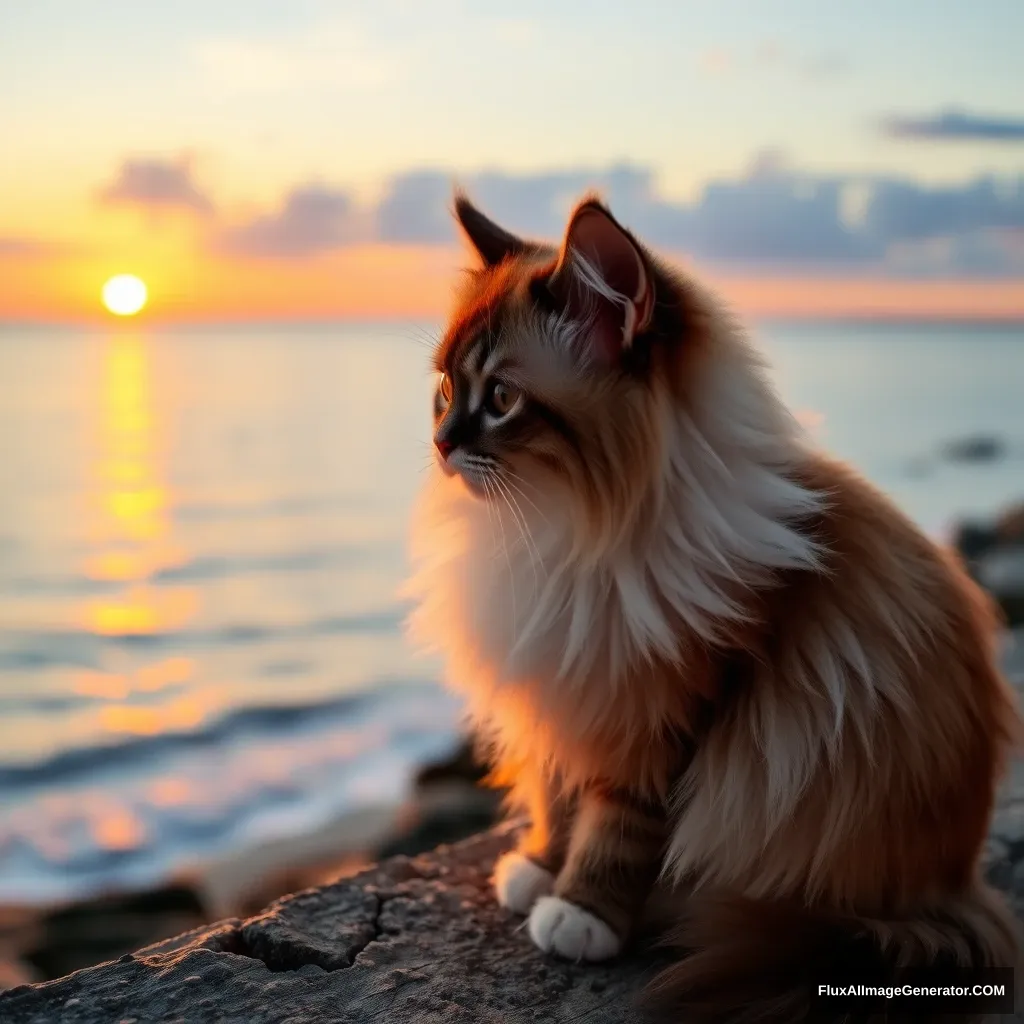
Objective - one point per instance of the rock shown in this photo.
(246, 880)
(973, 540)
(1001, 572)
(994, 553)
(88, 932)
(445, 814)
(418, 940)
(14, 973)
(463, 765)
(1006, 530)
(979, 448)
(1013, 657)
(451, 802)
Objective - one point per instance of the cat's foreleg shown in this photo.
(528, 872)
(613, 860)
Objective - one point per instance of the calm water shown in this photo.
(202, 534)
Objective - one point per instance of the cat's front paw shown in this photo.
(519, 881)
(558, 926)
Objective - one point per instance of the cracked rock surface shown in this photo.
(418, 940)
(409, 941)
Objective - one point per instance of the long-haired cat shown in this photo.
(704, 654)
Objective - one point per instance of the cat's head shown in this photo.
(598, 413)
(550, 370)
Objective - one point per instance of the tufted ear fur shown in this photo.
(602, 280)
(493, 243)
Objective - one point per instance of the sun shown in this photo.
(125, 294)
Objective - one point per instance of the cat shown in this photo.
(707, 658)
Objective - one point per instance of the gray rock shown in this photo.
(1001, 572)
(409, 941)
(978, 448)
(104, 928)
(994, 553)
(1013, 657)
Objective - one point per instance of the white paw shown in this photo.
(518, 881)
(558, 926)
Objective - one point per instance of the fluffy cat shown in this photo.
(704, 655)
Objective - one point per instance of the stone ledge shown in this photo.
(411, 940)
(418, 940)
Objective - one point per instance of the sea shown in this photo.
(202, 541)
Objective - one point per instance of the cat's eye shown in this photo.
(501, 398)
(444, 388)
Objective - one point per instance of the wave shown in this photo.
(208, 567)
(42, 649)
(247, 722)
(219, 566)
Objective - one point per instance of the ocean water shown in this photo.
(202, 535)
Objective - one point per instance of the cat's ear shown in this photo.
(602, 280)
(493, 243)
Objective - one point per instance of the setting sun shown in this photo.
(124, 295)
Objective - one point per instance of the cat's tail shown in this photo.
(761, 962)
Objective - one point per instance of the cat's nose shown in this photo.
(444, 447)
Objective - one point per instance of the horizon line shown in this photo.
(137, 323)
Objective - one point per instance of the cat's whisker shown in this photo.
(490, 511)
(419, 335)
(490, 478)
(510, 478)
(524, 529)
(506, 496)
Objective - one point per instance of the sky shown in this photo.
(259, 160)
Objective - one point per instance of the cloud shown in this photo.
(312, 220)
(415, 206)
(901, 210)
(767, 214)
(985, 253)
(771, 215)
(157, 184)
(953, 125)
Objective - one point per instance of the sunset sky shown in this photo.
(271, 160)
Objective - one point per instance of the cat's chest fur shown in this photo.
(562, 660)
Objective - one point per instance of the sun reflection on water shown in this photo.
(132, 530)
